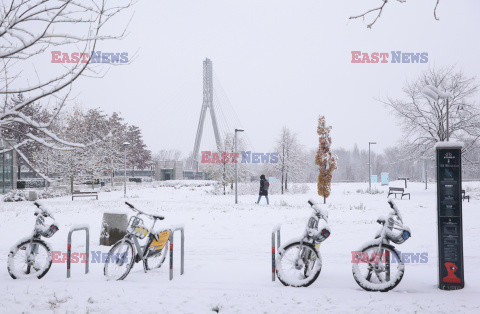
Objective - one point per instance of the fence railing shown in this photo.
(180, 228)
(87, 247)
(275, 246)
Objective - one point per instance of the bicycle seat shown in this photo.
(158, 217)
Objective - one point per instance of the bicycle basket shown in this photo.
(318, 229)
(45, 231)
(136, 227)
(323, 235)
(399, 236)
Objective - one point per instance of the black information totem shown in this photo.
(449, 216)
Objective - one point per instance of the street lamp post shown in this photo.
(426, 174)
(236, 166)
(370, 167)
(125, 144)
(2, 147)
(435, 94)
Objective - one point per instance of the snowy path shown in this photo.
(228, 256)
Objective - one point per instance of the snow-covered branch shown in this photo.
(379, 11)
(424, 121)
(28, 29)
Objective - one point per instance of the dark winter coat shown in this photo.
(262, 184)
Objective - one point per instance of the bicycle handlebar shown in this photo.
(130, 205)
(143, 213)
(135, 209)
(319, 212)
(395, 209)
(44, 211)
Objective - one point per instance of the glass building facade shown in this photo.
(6, 172)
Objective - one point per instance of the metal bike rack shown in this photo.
(276, 230)
(69, 247)
(180, 228)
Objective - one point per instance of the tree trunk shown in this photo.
(282, 182)
(286, 181)
(324, 200)
(71, 184)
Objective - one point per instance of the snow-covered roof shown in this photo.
(450, 144)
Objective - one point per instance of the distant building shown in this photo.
(8, 175)
(168, 170)
(194, 175)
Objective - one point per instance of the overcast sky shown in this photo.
(279, 63)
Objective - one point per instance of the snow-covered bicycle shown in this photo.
(128, 251)
(372, 263)
(31, 256)
(299, 261)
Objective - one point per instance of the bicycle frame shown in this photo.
(372, 262)
(383, 239)
(41, 214)
(141, 251)
(36, 235)
(308, 235)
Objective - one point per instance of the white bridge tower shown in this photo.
(207, 104)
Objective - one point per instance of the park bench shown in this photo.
(465, 197)
(77, 193)
(395, 191)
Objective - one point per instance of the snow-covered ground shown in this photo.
(228, 257)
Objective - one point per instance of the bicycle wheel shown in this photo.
(298, 265)
(156, 260)
(119, 261)
(27, 260)
(377, 271)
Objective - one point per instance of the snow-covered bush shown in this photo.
(14, 196)
(51, 193)
(374, 190)
(299, 188)
(361, 206)
(218, 189)
(252, 188)
(22, 195)
(184, 183)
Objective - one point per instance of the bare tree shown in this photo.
(424, 121)
(222, 169)
(291, 159)
(27, 29)
(379, 10)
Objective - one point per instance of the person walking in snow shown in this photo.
(264, 185)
